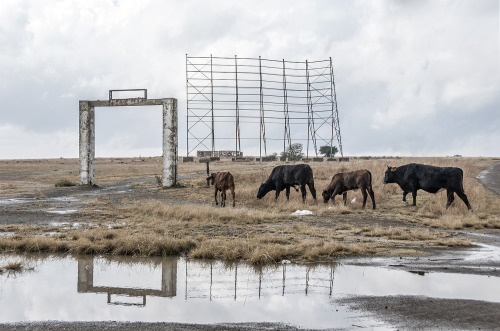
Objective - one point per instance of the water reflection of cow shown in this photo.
(168, 281)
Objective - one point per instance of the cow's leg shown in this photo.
(451, 197)
(414, 196)
(278, 191)
(372, 196)
(223, 198)
(332, 197)
(303, 191)
(233, 195)
(404, 197)
(462, 196)
(215, 194)
(312, 189)
(287, 193)
(365, 196)
(344, 197)
(334, 194)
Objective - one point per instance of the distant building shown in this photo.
(227, 154)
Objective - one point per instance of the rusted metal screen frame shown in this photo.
(216, 88)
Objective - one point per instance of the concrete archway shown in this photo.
(87, 135)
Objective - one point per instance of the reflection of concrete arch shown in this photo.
(168, 282)
(87, 135)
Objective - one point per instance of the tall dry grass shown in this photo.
(430, 209)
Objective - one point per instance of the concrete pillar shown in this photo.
(87, 143)
(169, 142)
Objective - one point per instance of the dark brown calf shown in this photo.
(222, 181)
(345, 181)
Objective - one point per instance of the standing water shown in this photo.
(184, 291)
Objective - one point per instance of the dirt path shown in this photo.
(490, 178)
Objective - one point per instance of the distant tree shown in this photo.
(327, 151)
(293, 152)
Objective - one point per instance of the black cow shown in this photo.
(413, 177)
(286, 176)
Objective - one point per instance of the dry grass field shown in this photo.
(145, 219)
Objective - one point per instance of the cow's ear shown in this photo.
(393, 169)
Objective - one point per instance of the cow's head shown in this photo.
(263, 189)
(211, 178)
(390, 175)
(326, 196)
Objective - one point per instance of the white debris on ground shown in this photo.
(302, 212)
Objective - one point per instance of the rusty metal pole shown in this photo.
(208, 173)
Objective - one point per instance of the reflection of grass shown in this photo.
(14, 268)
(261, 231)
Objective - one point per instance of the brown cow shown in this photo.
(222, 181)
(345, 181)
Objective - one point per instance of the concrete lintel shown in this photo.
(127, 102)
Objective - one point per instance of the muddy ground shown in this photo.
(32, 199)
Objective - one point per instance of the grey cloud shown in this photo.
(408, 74)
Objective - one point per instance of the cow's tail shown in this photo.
(369, 180)
(461, 179)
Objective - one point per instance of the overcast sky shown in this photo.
(414, 78)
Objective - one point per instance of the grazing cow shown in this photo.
(286, 176)
(413, 177)
(222, 181)
(346, 181)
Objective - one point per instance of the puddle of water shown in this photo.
(483, 174)
(118, 188)
(182, 291)
(483, 253)
(16, 201)
(19, 201)
(65, 199)
(62, 212)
